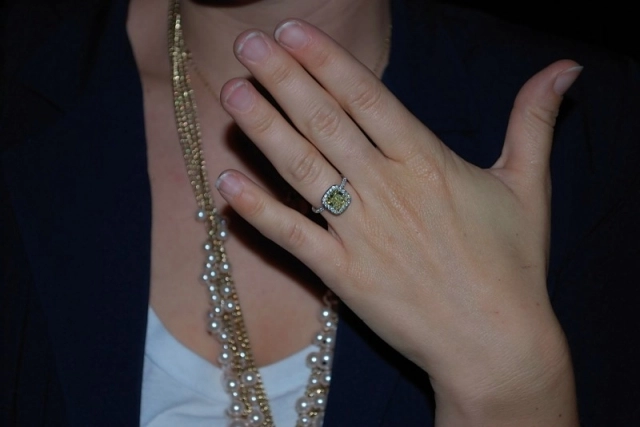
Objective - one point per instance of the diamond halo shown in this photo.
(335, 200)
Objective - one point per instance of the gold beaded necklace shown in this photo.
(242, 381)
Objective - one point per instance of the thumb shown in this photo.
(530, 131)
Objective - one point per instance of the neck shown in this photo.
(361, 26)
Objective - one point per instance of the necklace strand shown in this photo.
(241, 378)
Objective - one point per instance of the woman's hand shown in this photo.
(447, 262)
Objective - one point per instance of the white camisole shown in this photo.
(179, 388)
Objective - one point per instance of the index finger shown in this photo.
(359, 92)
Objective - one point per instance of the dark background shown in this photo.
(611, 25)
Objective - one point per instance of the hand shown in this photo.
(447, 262)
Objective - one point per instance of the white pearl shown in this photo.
(214, 326)
(318, 339)
(312, 360)
(325, 380)
(231, 384)
(225, 357)
(214, 298)
(305, 420)
(329, 324)
(225, 267)
(201, 215)
(222, 234)
(325, 314)
(249, 378)
(207, 246)
(302, 405)
(236, 409)
(325, 360)
(229, 306)
(320, 401)
(226, 290)
(256, 417)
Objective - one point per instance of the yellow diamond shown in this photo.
(336, 200)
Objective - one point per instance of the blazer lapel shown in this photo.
(372, 384)
(81, 193)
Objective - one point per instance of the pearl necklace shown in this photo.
(241, 378)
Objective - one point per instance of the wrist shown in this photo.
(536, 394)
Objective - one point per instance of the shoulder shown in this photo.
(42, 44)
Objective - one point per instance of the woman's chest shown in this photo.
(279, 296)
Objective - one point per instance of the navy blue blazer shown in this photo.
(75, 211)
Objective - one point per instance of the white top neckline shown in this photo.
(180, 386)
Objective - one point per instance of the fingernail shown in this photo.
(240, 98)
(253, 47)
(565, 79)
(291, 35)
(228, 184)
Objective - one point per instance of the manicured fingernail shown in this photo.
(291, 35)
(239, 98)
(565, 79)
(253, 47)
(228, 184)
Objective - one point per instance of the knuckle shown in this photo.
(534, 115)
(433, 175)
(436, 178)
(263, 123)
(281, 74)
(321, 58)
(365, 96)
(538, 121)
(306, 167)
(324, 122)
(423, 165)
(257, 208)
(294, 235)
(539, 114)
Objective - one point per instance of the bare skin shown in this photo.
(280, 298)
